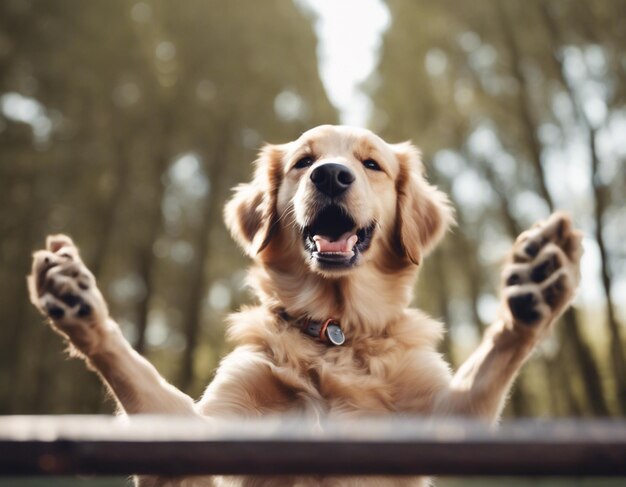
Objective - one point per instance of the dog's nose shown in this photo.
(332, 179)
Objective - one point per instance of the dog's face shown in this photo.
(338, 185)
(338, 198)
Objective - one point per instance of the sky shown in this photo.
(350, 35)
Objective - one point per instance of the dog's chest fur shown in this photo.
(283, 370)
(275, 368)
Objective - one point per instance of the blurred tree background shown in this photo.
(519, 109)
(125, 124)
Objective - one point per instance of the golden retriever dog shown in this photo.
(337, 224)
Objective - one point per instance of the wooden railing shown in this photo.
(166, 445)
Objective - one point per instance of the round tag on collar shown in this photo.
(335, 334)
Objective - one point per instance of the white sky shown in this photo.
(350, 34)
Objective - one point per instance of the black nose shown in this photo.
(332, 179)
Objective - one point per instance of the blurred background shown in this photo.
(125, 124)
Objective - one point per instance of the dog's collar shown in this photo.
(328, 331)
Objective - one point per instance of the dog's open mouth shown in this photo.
(334, 240)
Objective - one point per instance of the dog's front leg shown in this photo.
(539, 281)
(65, 291)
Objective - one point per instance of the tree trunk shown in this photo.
(212, 212)
(147, 261)
(617, 345)
(14, 357)
(111, 207)
(524, 104)
(586, 364)
(442, 295)
(145, 252)
(618, 359)
(583, 353)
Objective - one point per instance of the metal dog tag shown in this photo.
(335, 334)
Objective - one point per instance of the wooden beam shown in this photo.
(169, 445)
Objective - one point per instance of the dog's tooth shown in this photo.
(351, 243)
(317, 244)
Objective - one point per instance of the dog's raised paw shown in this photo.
(65, 291)
(543, 272)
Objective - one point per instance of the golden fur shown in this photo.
(389, 362)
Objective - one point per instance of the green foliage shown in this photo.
(500, 97)
(149, 112)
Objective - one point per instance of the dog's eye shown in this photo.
(371, 164)
(304, 162)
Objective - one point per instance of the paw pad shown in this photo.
(55, 312)
(554, 293)
(70, 299)
(543, 271)
(523, 308)
(84, 310)
(513, 279)
(61, 286)
(531, 249)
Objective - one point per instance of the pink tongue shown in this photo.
(345, 243)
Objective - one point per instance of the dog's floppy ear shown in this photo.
(423, 213)
(251, 213)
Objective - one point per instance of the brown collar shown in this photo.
(328, 331)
